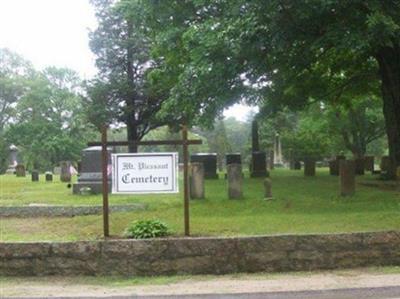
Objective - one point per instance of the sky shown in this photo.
(55, 32)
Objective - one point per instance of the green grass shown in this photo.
(300, 205)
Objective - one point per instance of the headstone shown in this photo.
(91, 171)
(35, 176)
(369, 163)
(398, 173)
(20, 170)
(235, 181)
(12, 159)
(359, 165)
(65, 175)
(196, 180)
(57, 170)
(258, 165)
(347, 169)
(49, 176)
(385, 163)
(209, 161)
(233, 158)
(267, 189)
(278, 151)
(297, 165)
(309, 167)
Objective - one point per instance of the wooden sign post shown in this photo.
(185, 142)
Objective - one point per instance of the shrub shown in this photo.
(145, 229)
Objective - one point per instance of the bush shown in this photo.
(145, 229)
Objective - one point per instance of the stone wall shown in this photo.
(64, 211)
(201, 255)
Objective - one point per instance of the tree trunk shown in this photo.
(132, 134)
(389, 68)
(255, 146)
(131, 125)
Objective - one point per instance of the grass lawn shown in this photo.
(300, 205)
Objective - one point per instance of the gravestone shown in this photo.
(35, 176)
(57, 170)
(65, 175)
(209, 161)
(267, 189)
(359, 166)
(91, 171)
(385, 163)
(297, 165)
(20, 170)
(235, 181)
(258, 165)
(309, 167)
(196, 180)
(347, 171)
(49, 176)
(234, 158)
(369, 163)
(12, 159)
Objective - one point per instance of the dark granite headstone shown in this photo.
(297, 165)
(35, 176)
(49, 177)
(233, 159)
(309, 167)
(20, 170)
(258, 166)
(91, 171)
(209, 161)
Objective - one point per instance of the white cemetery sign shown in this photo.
(145, 173)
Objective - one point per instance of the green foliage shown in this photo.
(121, 92)
(43, 112)
(146, 229)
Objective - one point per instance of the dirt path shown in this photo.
(63, 287)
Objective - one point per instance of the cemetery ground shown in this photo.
(300, 205)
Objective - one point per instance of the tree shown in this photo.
(49, 125)
(217, 140)
(357, 123)
(13, 72)
(122, 54)
(286, 51)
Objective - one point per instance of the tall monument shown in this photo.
(258, 167)
(278, 161)
(13, 159)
